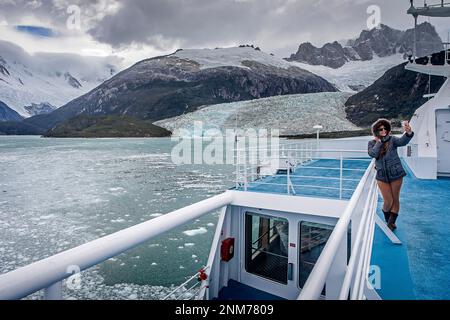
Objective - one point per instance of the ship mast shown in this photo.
(434, 10)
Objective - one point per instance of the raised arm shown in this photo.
(404, 140)
(374, 148)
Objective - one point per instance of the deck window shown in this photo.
(266, 240)
(313, 237)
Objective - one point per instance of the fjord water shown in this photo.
(56, 194)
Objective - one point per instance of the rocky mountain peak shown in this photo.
(382, 42)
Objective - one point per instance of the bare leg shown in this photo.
(386, 192)
(396, 186)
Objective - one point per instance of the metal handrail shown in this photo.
(263, 235)
(269, 253)
(46, 273)
(315, 282)
(195, 276)
(247, 172)
(358, 243)
(434, 5)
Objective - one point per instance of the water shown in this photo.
(56, 194)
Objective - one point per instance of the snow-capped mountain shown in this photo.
(291, 114)
(378, 42)
(354, 76)
(168, 86)
(39, 83)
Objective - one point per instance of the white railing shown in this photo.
(193, 289)
(48, 273)
(358, 267)
(447, 53)
(253, 165)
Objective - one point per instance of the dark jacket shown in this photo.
(389, 167)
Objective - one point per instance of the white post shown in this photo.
(341, 175)
(245, 170)
(318, 128)
(288, 179)
(415, 39)
(54, 292)
(237, 168)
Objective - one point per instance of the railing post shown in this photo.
(237, 168)
(54, 292)
(303, 153)
(341, 168)
(245, 170)
(288, 176)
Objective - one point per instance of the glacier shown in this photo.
(354, 73)
(291, 114)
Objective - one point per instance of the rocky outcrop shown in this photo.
(106, 127)
(72, 81)
(39, 108)
(396, 95)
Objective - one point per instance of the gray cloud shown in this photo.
(276, 25)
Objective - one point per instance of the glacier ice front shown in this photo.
(291, 114)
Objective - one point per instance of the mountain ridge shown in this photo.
(167, 86)
(383, 41)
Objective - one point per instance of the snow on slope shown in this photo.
(220, 57)
(48, 77)
(355, 73)
(345, 78)
(291, 114)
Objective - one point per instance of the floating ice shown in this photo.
(195, 232)
(116, 189)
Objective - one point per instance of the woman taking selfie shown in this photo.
(390, 171)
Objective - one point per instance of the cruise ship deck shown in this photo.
(423, 228)
(318, 178)
(417, 269)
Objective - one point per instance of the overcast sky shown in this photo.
(138, 29)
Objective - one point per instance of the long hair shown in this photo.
(387, 124)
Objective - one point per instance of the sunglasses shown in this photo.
(382, 129)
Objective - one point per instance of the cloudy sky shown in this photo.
(137, 29)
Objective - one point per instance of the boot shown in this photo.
(386, 215)
(392, 219)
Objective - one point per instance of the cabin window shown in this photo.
(313, 237)
(266, 240)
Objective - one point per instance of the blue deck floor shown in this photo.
(238, 291)
(322, 183)
(420, 267)
(424, 229)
